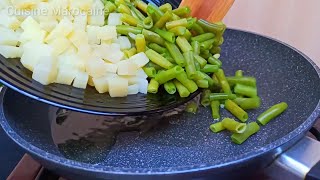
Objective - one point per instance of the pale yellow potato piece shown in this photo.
(85, 51)
(63, 29)
(111, 53)
(96, 67)
(83, 5)
(140, 59)
(25, 4)
(107, 33)
(66, 75)
(101, 84)
(33, 53)
(78, 38)
(93, 32)
(30, 24)
(8, 37)
(45, 72)
(127, 67)
(112, 68)
(37, 35)
(10, 22)
(96, 14)
(118, 87)
(81, 80)
(114, 19)
(72, 60)
(60, 45)
(90, 81)
(133, 89)
(11, 51)
(80, 21)
(48, 25)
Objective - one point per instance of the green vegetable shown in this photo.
(147, 22)
(216, 28)
(140, 43)
(182, 90)
(251, 129)
(190, 66)
(153, 86)
(165, 7)
(181, 22)
(200, 60)
(165, 76)
(150, 71)
(192, 107)
(202, 84)
(178, 31)
(196, 47)
(157, 48)
(205, 54)
(208, 68)
(215, 109)
(129, 19)
(245, 90)
(223, 81)
(221, 96)
(187, 35)
(191, 22)
(158, 59)
(169, 36)
(109, 7)
(182, 11)
(189, 84)
(272, 113)
(130, 52)
(207, 45)
(163, 20)
(249, 81)
(248, 103)
(198, 29)
(217, 127)
(154, 11)
(239, 73)
(125, 30)
(236, 110)
(170, 87)
(141, 5)
(175, 53)
(122, 8)
(203, 37)
(153, 37)
(205, 98)
(184, 45)
(215, 50)
(233, 126)
(214, 61)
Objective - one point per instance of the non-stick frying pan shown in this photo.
(81, 145)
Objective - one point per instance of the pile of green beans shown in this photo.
(172, 40)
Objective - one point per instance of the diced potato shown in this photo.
(143, 86)
(72, 60)
(4, 4)
(30, 24)
(101, 84)
(60, 45)
(111, 53)
(71, 50)
(33, 52)
(127, 68)
(141, 74)
(93, 32)
(90, 81)
(8, 21)
(33, 35)
(11, 51)
(66, 75)
(118, 87)
(78, 38)
(140, 59)
(85, 51)
(8, 37)
(83, 5)
(48, 25)
(80, 21)
(63, 29)
(45, 72)
(114, 19)
(124, 42)
(96, 67)
(133, 89)
(81, 80)
(96, 16)
(25, 4)
(112, 68)
(107, 33)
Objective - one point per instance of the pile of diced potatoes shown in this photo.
(74, 48)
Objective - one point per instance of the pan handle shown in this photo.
(302, 161)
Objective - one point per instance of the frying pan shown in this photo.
(83, 146)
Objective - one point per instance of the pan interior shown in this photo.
(282, 75)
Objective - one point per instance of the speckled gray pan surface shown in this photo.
(185, 143)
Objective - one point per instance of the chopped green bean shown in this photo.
(153, 37)
(168, 75)
(175, 53)
(200, 60)
(178, 31)
(205, 98)
(169, 57)
(236, 110)
(205, 54)
(153, 86)
(182, 11)
(158, 59)
(125, 30)
(245, 80)
(109, 7)
(248, 103)
(129, 19)
(203, 83)
(130, 52)
(189, 84)
(208, 68)
(206, 45)
(221, 96)
(190, 66)
(163, 20)
(191, 22)
(150, 71)
(215, 50)
(187, 35)
(239, 73)
(170, 87)
(181, 22)
(140, 43)
(192, 107)
(223, 81)
(215, 61)
(169, 36)
(166, 7)
(147, 22)
(216, 28)
(245, 90)
(197, 65)
(184, 45)
(124, 9)
(136, 13)
(251, 129)
(217, 127)
(151, 64)
(272, 113)
(196, 47)
(154, 11)
(233, 126)
(182, 90)
(215, 109)
(198, 29)
(203, 37)
(141, 5)
(157, 48)
(118, 2)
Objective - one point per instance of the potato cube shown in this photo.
(25, 4)
(45, 72)
(66, 75)
(78, 38)
(141, 74)
(140, 59)
(118, 87)
(60, 45)
(112, 68)
(96, 16)
(33, 52)
(114, 19)
(33, 35)
(124, 42)
(85, 51)
(93, 32)
(101, 84)
(143, 86)
(127, 68)
(83, 5)
(11, 51)
(8, 37)
(63, 29)
(8, 21)
(90, 81)
(96, 67)
(80, 21)
(111, 53)
(72, 60)
(48, 25)
(81, 80)
(107, 33)
(133, 89)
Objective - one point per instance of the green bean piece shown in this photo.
(196, 47)
(197, 65)
(150, 71)
(272, 113)
(245, 80)
(140, 43)
(157, 67)
(189, 84)
(204, 84)
(141, 5)
(154, 11)
(136, 13)
(109, 7)
(192, 107)
(215, 50)
(169, 36)
(208, 68)
(175, 53)
(207, 45)
(203, 76)
(205, 98)
(221, 96)
(217, 127)
(163, 20)
(251, 129)
(178, 31)
(182, 90)
(147, 22)
(166, 7)
(191, 22)
(158, 59)
(248, 91)
(190, 66)
(184, 45)
(233, 126)
(216, 28)
(125, 30)
(215, 109)
(205, 54)
(223, 81)
(124, 9)
(248, 103)
(169, 57)
(214, 61)
(175, 17)
(219, 42)
(198, 29)
(129, 19)
(200, 60)
(181, 22)
(182, 11)
(153, 37)
(157, 48)
(237, 111)
(168, 75)
(203, 37)
(239, 73)
(153, 86)
(130, 52)
(118, 2)
(170, 87)
(187, 35)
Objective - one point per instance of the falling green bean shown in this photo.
(248, 91)
(203, 83)
(205, 98)
(192, 107)
(245, 80)
(223, 81)
(215, 109)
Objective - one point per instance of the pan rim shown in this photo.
(105, 170)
